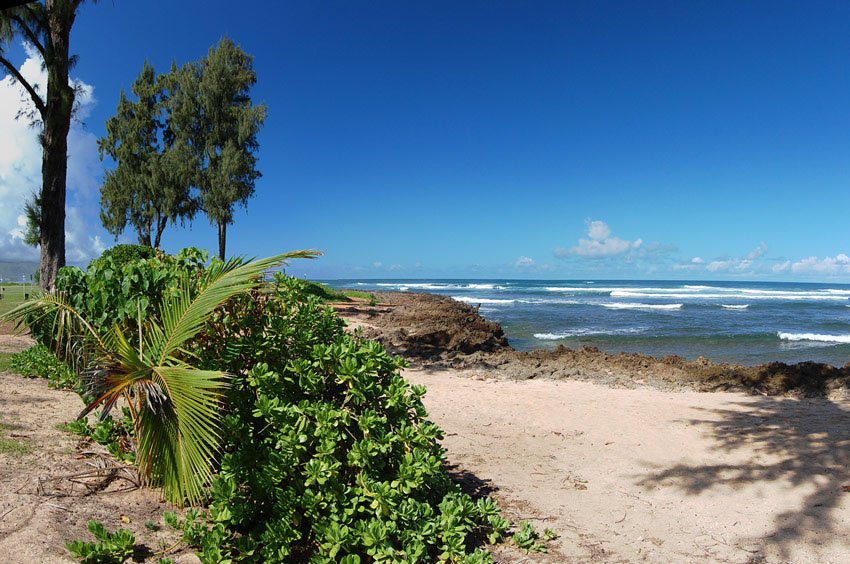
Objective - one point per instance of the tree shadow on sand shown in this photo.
(807, 443)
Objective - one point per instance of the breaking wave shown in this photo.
(815, 337)
(661, 307)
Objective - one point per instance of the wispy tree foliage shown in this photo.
(150, 185)
(214, 109)
(47, 27)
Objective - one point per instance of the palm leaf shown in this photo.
(183, 314)
(178, 430)
(66, 322)
(175, 406)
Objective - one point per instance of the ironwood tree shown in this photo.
(47, 27)
(213, 108)
(150, 185)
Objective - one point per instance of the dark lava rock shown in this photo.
(444, 332)
(427, 326)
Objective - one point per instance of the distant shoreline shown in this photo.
(436, 331)
(734, 322)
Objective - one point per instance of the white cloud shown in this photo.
(20, 169)
(758, 252)
(826, 265)
(781, 267)
(524, 261)
(743, 265)
(719, 265)
(377, 264)
(599, 243)
(598, 230)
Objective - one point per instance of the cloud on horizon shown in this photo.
(736, 265)
(813, 265)
(20, 169)
(524, 262)
(599, 243)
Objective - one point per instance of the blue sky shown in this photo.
(696, 140)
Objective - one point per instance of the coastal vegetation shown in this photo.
(247, 399)
(186, 144)
(328, 294)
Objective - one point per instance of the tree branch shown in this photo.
(31, 36)
(39, 103)
(33, 9)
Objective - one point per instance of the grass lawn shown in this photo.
(5, 362)
(13, 295)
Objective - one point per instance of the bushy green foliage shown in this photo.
(110, 547)
(328, 452)
(124, 254)
(323, 292)
(328, 455)
(528, 539)
(117, 290)
(39, 362)
(327, 294)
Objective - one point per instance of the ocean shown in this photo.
(739, 322)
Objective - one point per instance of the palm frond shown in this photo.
(175, 406)
(50, 304)
(178, 430)
(183, 314)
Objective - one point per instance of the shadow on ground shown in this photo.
(807, 443)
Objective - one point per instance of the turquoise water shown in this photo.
(741, 322)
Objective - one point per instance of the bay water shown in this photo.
(740, 322)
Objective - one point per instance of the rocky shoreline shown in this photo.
(437, 331)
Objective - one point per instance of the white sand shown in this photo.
(646, 475)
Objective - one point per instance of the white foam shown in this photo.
(742, 293)
(818, 338)
(735, 307)
(653, 291)
(552, 336)
(475, 300)
(438, 286)
(663, 307)
(575, 289)
(585, 333)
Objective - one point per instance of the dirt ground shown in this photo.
(647, 475)
(51, 485)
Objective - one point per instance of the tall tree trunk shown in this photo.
(160, 227)
(145, 234)
(222, 238)
(57, 121)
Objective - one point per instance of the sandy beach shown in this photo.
(625, 460)
(643, 475)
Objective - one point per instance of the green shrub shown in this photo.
(110, 547)
(124, 254)
(527, 538)
(323, 292)
(39, 362)
(328, 454)
(113, 292)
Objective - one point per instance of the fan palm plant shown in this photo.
(174, 406)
